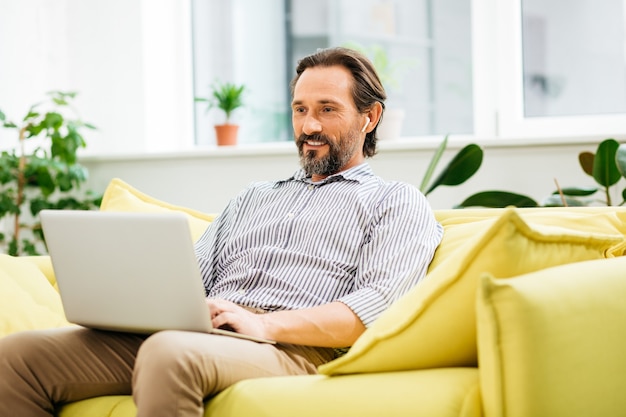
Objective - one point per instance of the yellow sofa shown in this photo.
(522, 313)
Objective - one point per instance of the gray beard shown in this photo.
(338, 156)
(327, 165)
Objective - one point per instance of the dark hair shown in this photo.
(366, 88)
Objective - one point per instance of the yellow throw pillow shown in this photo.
(120, 196)
(553, 343)
(44, 263)
(434, 324)
(27, 300)
(461, 225)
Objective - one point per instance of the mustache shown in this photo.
(318, 137)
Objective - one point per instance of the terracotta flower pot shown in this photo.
(226, 135)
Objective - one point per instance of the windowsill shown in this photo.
(427, 143)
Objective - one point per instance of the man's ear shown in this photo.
(374, 114)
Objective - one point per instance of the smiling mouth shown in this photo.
(315, 143)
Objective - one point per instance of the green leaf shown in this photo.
(578, 191)
(585, 159)
(464, 164)
(78, 173)
(45, 181)
(60, 98)
(433, 164)
(31, 115)
(33, 130)
(13, 249)
(498, 199)
(29, 248)
(64, 181)
(53, 120)
(605, 170)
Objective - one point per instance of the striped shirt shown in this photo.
(293, 244)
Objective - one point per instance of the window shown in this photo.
(571, 64)
(426, 43)
(503, 69)
(560, 68)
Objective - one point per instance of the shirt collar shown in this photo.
(358, 174)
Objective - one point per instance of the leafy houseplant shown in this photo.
(462, 166)
(607, 166)
(227, 97)
(46, 177)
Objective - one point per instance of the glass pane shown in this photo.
(573, 57)
(426, 44)
(258, 43)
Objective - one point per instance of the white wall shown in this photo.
(130, 61)
(207, 179)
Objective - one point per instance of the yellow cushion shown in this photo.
(461, 225)
(553, 343)
(44, 263)
(27, 300)
(451, 392)
(107, 406)
(120, 196)
(434, 324)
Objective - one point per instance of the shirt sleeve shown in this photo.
(402, 243)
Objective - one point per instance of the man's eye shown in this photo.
(299, 110)
(327, 109)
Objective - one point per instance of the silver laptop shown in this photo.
(129, 272)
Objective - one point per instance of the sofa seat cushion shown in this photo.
(27, 300)
(452, 392)
(553, 343)
(109, 406)
(441, 392)
(434, 324)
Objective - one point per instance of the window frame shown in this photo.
(510, 121)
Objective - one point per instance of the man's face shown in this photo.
(326, 123)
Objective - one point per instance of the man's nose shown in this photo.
(311, 126)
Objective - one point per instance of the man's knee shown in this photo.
(161, 345)
(17, 346)
(166, 349)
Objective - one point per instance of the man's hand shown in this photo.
(230, 316)
(328, 325)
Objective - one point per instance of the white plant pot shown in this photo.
(390, 126)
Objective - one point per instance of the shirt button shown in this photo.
(289, 215)
(242, 291)
(311, 187)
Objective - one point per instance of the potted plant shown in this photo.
(41, 174)
(607, 166)
(227, 97)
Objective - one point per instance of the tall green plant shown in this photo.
(607, 166)
(462, 167)
(45, 175)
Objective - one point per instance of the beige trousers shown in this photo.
(169, 373)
